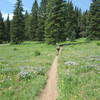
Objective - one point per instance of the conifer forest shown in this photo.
(52, 21)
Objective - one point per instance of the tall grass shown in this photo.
(79, 71)
(23, 69)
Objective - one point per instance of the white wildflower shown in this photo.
(70, 63)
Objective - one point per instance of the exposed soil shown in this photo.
(50, 90)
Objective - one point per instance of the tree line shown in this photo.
(52, 21)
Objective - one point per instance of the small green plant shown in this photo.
(37, 53)
(98, 44)
(40, 70)
(15, 49)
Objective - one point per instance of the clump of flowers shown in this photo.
(27, 72)
(71, 63)
(25, 75)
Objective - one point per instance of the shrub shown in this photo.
(40, 70)
(1, 42)
(98, 44)
(37, 53)
(15, 49)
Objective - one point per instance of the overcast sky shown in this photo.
(7, 6)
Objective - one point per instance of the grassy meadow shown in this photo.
(23, 69)
(79, 71)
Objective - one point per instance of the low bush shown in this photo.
(98, 44)
(37, 53)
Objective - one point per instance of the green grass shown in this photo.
(23, 69)
(79, 71)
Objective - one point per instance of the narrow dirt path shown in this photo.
(50, 90)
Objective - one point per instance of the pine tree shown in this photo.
(7, 30)
(94, 25)
(87, 22)
(2, 28)
(34, 24)
(42, 18)
(17, 29)
(70, 21)
(43, 8)
(55, 22)
(27, 26)
(78, 16)
(84, 23)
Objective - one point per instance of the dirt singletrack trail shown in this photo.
(50, 90)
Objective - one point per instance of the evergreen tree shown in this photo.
(34, 24)
(7, 29)
(78, 16)
(94, 25)
(70, 21)
(17, 29)
(42, 18)
(43, 8)
(27, 25)
(87, 22)
(55, 22)
(84, 23)
(2, 32)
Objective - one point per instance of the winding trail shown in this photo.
(50, 90)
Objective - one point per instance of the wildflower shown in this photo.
(69, 63)
(24, 75)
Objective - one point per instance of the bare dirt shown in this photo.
(50, 90)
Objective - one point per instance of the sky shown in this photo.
(7, 6)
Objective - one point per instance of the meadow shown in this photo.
(23, 69)
(79, 71)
